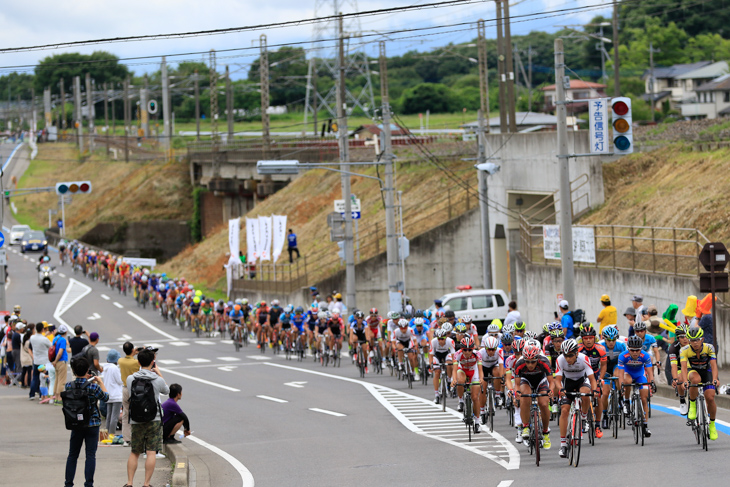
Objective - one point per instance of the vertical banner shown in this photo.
(265, 237)
(279, 235)
(252, 240)
(234, 235)
(598, 127)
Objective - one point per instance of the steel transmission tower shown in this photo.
(324, 61)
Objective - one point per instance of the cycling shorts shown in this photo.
(573, 385)
(406, 344)
(310, 326)
(638, 376)
(285, 326)
(541, 386)
(336, 330)
(375, 331)
(321, 329)
(439, 357)
(488, 370)
(705, 376)
(472, 376)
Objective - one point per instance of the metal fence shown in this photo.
(657, 250)
(281, 278)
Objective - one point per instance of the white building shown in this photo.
(711, 100)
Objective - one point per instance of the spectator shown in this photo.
(173, 417)
(89, 435)
(113, 380)
(566, 319)
(92, 353)
(127, 366)
(690, 311)
(438, 304)
(637, 302)
(26, 356)
(60, 364)
(704, 312)
(609, 314)
(654, 326)
(39, 344)
(630, 315)
(337, 305)
(146, 437)
(78, 342)
(513, 316)
(15, 346)
(291, 239)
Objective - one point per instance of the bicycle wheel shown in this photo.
(536, 432)
(705, 427)
(648, 404)
(490, 410)
(614, 415)
(577, 435)
(468, 414)
(236, 342)
(409, 373)
(442, 389)
(635, 422)
(591, 427)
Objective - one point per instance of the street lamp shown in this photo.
(485, 169)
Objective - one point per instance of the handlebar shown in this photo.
(701, 384)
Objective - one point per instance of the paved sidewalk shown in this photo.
(35, 442)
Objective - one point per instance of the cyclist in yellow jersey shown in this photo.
(699, 365)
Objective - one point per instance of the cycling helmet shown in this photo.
(440, 333)
(146, 272)
(639, 325)
(358, 314)
(298, 310)
(237, 307)
(202, 297)
(493, 328)
(440, 314)
(427, 314)
(610, 333)
(395, 315)
(635, 342)
(447, 328)
(321, 315)
(546, 327)
(449, 314)
(288, 309)
(507, 339)
(328, 314)
(467, 343)
(144, 278)
(530, 334)
(555, 325)
(221, 302)
(244, 301)
(198, 292)
(161, 287)
(238, 301)
(196, 300)
(508, 328)
(534, 342)
(497, 322)
(559, 333)
(262, 303)
(334, 314)
(530, 352)
(418, 321)
(229, 304)
(569, 346)
(587, 330)
(373, 311)
(417, 314)
(491, 343)
(402, 322)
(681, 330)
(519, 325)
(275, 302)
(695, 332)
(460, 328)
(519, 345)
(465, 319)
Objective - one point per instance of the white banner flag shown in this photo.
(252, 239)
(279, 235)
(234, 235)
(265, 237)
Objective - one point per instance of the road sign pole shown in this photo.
(712, 291)
(63, 216)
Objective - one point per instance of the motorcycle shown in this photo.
(44, 277)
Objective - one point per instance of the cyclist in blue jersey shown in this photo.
(634, 366)
(420, 330)
(614, 348)
(235, 318)
(650, 345)
(298, 320)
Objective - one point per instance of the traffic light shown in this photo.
(623, 138)
(73, 187)
(341, 252)
(152, 106)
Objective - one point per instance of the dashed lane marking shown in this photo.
(168, 362)
(199, 360)
(204, 342)
(324, 411)
(118, 305)
(62, 275)
(259, 357)
(274, 399)
(179, 344)
(104, 296)
(229, 359)
(103, 348)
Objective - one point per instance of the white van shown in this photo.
(483, 305)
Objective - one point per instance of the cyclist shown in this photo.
(677, 376)
(420, 329)
(405, 339)
(506, 344)
(442, 347)
(274, 312)
(235, 317)
(552, 348)
(518, 346)
(650, 345)
(285, 329)
(533, 374)
(298, 320)
(466, 319)
(544, 334)
(335, 326)
(699, 365)
(263, 330)
(614, 348)
(358, 334)
(220, 315)
(206, 312)
(492, 331)
(374, 333)
(575, 373)
(311, 320)
(466, 370)
(193, 311)
(633, 366)
(492, 359)
(520, 328)
(597, 357)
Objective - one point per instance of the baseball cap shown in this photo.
(638, 298)
(62, 329)
(563, 304)
(20, 326)
(630, 311)
(605, 298)
(45, 324)
(94, 336)
(151, 349)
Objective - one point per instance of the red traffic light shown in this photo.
(620, 108)
(84, 187)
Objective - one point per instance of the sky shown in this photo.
(51, 21)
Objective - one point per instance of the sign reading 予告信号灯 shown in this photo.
(598, 121)
(584, 246)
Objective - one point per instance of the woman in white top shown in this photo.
(113, 382)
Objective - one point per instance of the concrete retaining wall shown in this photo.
(159, 239)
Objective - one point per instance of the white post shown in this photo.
(63, 217)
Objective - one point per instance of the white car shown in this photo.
(16, 233)
(483, 305)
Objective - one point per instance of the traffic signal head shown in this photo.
(623, 138)
(73, 187)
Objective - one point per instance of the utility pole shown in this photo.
(127, 117)
(214, 113)
(483, 76)
(143, 115)
(264, 78)
(79, 123)
(483, 206)
(344, 159)
(616, 79)
(229, 105)
(501, 71)
(507, 46)
(90, 111)
(106, 117)
(529, 80)
(653, 80)
(63, 107)
(566, 217)
(47, 107)
(166, 108)
(197, 107)
(389, 190)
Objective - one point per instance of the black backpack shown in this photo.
(143, 404)
(76, 409)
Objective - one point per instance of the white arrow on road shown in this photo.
(124, 337)
(298, 385)
(227, 368)
(96, 316)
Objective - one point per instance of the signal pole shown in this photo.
(166, 109)
(229, 106)
(616, 79)
(483, 72)
(90, 110)
(501, 71)
(264, 78)
(143, 115)
(127, 116)
(79, 118)
(214, 113)
(63, 108)
(507, 49)
(197, 107)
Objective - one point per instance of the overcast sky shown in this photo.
(49, 21)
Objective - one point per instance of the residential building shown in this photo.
(579, 90)
(677, 83)
(526, 122)
(711, 100)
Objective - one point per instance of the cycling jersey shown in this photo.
(552, 354)
(634, 366)
(698, 360)
(649, 343)
(489, 361)
(359, 332)
(423, 335)
(298, 321)
(612, 355)
(262, 315)
(579, 370)
(194, 308)
(467, 364)
(403, 336)
(441, 351)
(537, 377)
(596, 356)
(236, 316)
(274, 313)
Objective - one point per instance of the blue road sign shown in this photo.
(2, 239)
(355, 215)
(60, 223)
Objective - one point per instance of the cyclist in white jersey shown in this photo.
(442, 347)
(492, 359)
(404, 338)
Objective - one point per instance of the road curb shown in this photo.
(179, 459)
(722, 400)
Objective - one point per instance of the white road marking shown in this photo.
(124, 338)
(269, 398)
(297, 385)
(104, 296)
(246, 476)
(204, 342)
(95, 316)
(154, 345)
(331, 413)
(150, 325)
(202, 381)
(199, 360)
(227, 342)
(229, 359)
(168, 362)
(504, 453)
(72, 295)
(179, 344)
(7, 283)
(103, 349)
(118, 305)
(62, 275)
(32, 259)
(227, 368)
(505, 483)
(259, 357)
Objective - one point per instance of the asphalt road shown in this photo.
(326, 427)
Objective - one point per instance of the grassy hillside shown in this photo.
(120, 191)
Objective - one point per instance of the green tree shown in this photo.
(287, 75)
(691, 16)
(435, 97)
(16, 85)
(103, 66)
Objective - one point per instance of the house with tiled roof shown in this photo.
(579, 90)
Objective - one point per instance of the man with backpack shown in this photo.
(145, 415)
(81, 413)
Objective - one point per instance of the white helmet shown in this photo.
(508, 328)
(402, 322)
(491, 342)
(418, 321)
(321, 315)
(493, 328)
(447, 328)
